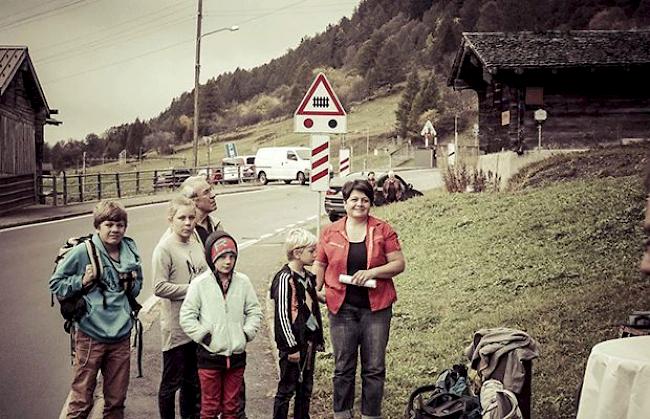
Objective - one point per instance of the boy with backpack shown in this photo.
(104, 281)
(221, 314)
(298, 325)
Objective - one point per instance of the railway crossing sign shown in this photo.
(320, 111)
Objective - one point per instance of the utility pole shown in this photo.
(197, 70)
(83, 172)
(365, 162)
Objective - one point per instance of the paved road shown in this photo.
(34, 353)
(34, 360)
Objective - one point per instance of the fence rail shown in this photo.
(67, 188)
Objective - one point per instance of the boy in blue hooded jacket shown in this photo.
(103, 331)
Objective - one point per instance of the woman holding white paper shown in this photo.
(367, 250)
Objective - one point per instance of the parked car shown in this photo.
(171, 178)
(248, 171)
(239, 168)
(283, 163)
(231, 167)
(334, 205)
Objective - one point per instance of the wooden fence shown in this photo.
(67, 188)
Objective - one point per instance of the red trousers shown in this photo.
(220, 392)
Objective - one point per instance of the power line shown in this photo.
(110, 39)
(43, 14)
(115, 26)
(112, 64)
(28, 9)
(53, 81)
(95, 45)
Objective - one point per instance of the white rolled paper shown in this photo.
(347, 279)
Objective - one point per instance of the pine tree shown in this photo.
(427, 98)
(490, 17)
(406, 104)
(388, 66)
(135, 137)
(642, 14)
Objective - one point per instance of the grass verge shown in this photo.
(559, 262)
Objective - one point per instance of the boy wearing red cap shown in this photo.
(222, 314)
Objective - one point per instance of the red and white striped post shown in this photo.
(320, 169)
(344, 162)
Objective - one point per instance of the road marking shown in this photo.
(248, 243)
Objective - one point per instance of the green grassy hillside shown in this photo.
(377, 116)
(559, 262)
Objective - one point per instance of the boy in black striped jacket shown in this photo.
(298, 325)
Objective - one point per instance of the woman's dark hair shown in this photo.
(360, 185)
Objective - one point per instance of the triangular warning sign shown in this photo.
(320, 99)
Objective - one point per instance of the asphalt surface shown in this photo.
(261, 372)
(259, 259)
(35, 214)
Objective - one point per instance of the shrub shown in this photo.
(459, 179)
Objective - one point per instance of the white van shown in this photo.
(283, 163)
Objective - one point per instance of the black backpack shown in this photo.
(73, 307)
(448, 398)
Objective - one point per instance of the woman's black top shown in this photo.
(357, 260)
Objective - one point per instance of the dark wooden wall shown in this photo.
(16, 192)
(21, 128)
(585, 107)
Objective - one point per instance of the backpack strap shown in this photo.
(98, 268)
(138, 343)
(94, 258)
(410, 408)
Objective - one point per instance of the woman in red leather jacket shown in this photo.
(361, 250)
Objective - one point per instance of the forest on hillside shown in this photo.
(387, 46)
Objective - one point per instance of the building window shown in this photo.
(534, 96)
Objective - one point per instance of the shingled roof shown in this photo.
(554, 49)
(11, 59)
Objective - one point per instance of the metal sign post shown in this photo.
(319, 211)
(540, 117)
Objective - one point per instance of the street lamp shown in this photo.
(197, 69)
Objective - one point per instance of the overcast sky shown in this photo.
(105, 62)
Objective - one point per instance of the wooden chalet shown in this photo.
(23, 113)
(593, 85)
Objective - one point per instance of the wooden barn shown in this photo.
(593, 85)
(23, 114)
